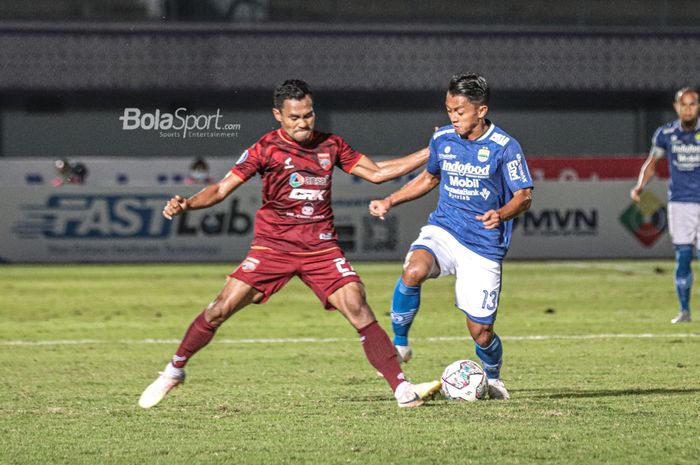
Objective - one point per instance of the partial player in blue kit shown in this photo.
(679, 141)
(484, 183)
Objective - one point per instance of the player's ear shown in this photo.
(277, 114)
(483, 109)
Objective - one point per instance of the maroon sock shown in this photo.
(381, 353)
(197, 336)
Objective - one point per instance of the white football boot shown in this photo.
(683, 317)
(497, 390)
(169, 379)
(404, 353)
(414, 395)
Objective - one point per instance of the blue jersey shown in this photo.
(682, 148)
(475, 177)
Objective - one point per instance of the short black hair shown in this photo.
(291, 89)
(471, 85)
(681, 92)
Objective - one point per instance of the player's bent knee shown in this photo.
(216, 313)
(482, 334)
(414, 274)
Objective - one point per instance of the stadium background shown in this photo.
(581, 85)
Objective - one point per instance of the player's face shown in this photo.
(687, 107)
(467, 118)
(297, 118)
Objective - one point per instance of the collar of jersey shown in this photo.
(488, 132)
(679, 125)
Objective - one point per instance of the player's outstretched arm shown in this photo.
(645, 174)
(386, 170)
(210, 195)
(417, 187)
(521, 201)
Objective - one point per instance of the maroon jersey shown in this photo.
(296, 214)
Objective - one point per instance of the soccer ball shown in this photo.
(464, 380)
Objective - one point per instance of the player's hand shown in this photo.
(174, 207)
(635, 194)
(491, 219)
(379, 208)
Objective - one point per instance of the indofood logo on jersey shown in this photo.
(646, 221)
(465, 169)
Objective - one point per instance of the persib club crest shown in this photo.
(324, 159)
(483, 154)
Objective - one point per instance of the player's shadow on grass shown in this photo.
(618, 393)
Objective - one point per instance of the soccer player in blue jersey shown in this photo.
(679, 141)
(484, 183)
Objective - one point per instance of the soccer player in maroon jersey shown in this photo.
(294, 236)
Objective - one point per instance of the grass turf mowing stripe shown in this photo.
(331, 339)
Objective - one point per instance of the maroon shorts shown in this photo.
(268, 271)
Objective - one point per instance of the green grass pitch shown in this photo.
(608, 380)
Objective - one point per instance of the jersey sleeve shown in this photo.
(433, 166)
(249, 163)
(347, 157)
(658, 144)
(515, 170)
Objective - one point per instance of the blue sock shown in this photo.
(404, 306)
(491, 357)
(684, 275)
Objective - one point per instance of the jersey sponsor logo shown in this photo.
(242, 158)
(697, 137)
(324, 159)
(685, 149)
(461, 193)
(249, 264)
(307, 209)
(325, 236)
(485, 193)
(465, 169)
(687, 162)
(456, 181)
(307, 194)
(446, 155)
(483, 154)
(288, 165)
(500, 139)
(296, 180)
(516, 170)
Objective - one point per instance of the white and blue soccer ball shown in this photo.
(464, 380)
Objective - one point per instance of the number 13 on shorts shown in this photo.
(490, 302)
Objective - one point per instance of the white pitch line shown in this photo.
(313, 340)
